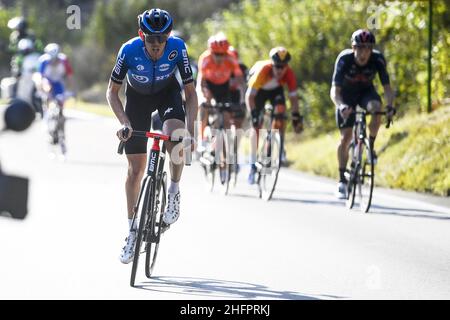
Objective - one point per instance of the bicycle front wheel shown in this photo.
(366, 178)
(351, 184)
(269, 164)
(155, 227)
(144, 213)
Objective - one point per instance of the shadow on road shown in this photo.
(376, 209)
(213, 288)
(409, 212)
(308, 201)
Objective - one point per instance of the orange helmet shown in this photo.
(218, 44)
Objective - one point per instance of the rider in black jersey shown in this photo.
(352, 85)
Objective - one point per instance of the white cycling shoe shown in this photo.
(127, 254)
(341, 192)
(173, 208)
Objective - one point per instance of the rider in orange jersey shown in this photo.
(216, 66)
(266, 82)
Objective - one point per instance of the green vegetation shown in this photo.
(414, 154)
(316, 31)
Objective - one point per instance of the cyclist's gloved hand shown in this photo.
(390, 111)
(345, 110)
(297, 122)
(125, 132)
(255, 118)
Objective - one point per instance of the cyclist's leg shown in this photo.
(371, 101)
(279, 111)
(345, 127)
(260, 99)
(138, 108)
(173, 116)
(237, 118)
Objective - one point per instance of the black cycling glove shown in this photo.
(391, 109)
(297, 121)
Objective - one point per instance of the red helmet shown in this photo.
(218, 44)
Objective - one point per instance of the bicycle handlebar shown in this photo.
(154, 135)
(389, 120)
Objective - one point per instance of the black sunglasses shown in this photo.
(366, 46)
(280, 66)
(156, 38)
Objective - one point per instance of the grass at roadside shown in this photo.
(414, 154)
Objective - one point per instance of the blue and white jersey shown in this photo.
(147, 76)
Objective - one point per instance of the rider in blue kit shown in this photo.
(149, 62)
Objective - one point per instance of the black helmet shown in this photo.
(279, 55)
(19, 115)
(362, 36)
(155, 21)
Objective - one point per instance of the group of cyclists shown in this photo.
(46, 70)
(160, 79)
(150, 60)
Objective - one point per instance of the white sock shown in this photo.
(130, 221)
(174, 187)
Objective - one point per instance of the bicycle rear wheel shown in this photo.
(269, 164)
(154, 227)
(144, 213)
(351, 184)
(62, 134)
(207, 161)
(224, 166)
(366, 178)
(234, 165)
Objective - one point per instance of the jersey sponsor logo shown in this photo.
(141, 79)
(163, 77)
(187, 67)
(164, 67)
(119, 64)
(140, 67)
(168, 110)
(173, 55)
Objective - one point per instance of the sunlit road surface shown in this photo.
(304, 244)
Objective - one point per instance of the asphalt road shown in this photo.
(304, 244)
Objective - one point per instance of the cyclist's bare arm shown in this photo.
(250, 98)
(112, 95)
(336, 95)
(191, 106)
(388, 95)
(293, 98)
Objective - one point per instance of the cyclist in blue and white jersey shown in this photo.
(149, 62)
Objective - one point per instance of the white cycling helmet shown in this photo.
(52, 49)
(25, 45)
